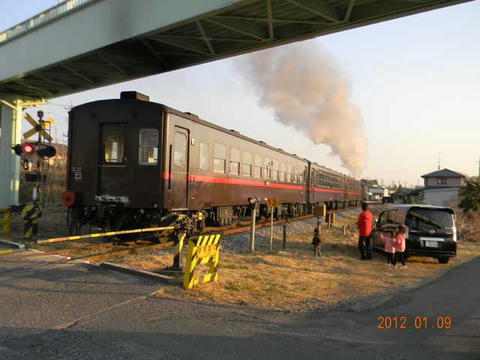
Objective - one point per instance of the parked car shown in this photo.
(430, 230)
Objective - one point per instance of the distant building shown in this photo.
(442, 187)
(373, 191)
(405, 195)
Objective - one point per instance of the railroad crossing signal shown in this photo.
(40, 148)
(38, 127)
(24, 149)
(29, 149)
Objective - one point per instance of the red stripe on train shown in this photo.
(221, 180)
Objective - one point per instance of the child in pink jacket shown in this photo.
(389, 249)
(400, 246)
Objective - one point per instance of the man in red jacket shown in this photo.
(364, 224)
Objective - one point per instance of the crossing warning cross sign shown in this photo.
(37, 128)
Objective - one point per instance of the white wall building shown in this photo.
(442, 187)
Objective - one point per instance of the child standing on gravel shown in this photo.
(316, 243)
(400, 246)
(389, 249)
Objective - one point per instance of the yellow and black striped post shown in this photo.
(30, 214)
(205, 250)
(5, 221)
(177, 257)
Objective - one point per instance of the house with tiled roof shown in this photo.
(441, 187)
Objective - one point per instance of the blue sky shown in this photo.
(416, 81)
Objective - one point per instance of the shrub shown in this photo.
(470, 196)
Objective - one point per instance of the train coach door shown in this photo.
(179, 163)
(113, 174)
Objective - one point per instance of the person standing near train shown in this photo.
(364, 224)
(400, 246)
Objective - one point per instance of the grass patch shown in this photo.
(231, 286)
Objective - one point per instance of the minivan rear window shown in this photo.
(429, 219)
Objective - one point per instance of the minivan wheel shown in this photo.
(443, 259)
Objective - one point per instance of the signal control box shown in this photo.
(35, 177)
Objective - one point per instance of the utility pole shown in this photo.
(253, 203)
(478, 161)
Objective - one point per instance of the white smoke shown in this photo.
(305, 90)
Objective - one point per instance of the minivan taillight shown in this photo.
(454, 231)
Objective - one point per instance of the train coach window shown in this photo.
(303, 176)
(219, 158)
(203, 156)
(180, 150)
(268, 168)
(282, 172)
(235, 161)
(247, 164)
(148, 147)
(257, 172)
(113, 143)
(289, 173)
(275, 170)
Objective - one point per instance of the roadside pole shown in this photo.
(252, 229)
(253, 203)
(271, 203)
(320, 211)
(271, 229)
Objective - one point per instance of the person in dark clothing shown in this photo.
(316, 243)
(364, 224)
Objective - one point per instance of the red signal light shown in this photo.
(28, 148)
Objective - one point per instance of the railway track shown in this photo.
(99, 252)
(245, 225)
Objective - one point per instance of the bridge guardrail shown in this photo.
(42, 18)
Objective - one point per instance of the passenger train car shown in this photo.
(132, 161)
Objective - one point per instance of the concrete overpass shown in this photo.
(84, 44)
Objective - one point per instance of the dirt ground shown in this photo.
(294, 280)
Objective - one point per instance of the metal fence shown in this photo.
(42, 18)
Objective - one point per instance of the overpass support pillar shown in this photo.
(10, 125)
(11, 134)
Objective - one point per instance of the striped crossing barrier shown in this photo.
(30, 214)
(105, 234)
(5, 221)
(204, 250)
(10, 251)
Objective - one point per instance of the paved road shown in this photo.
(75, 311)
